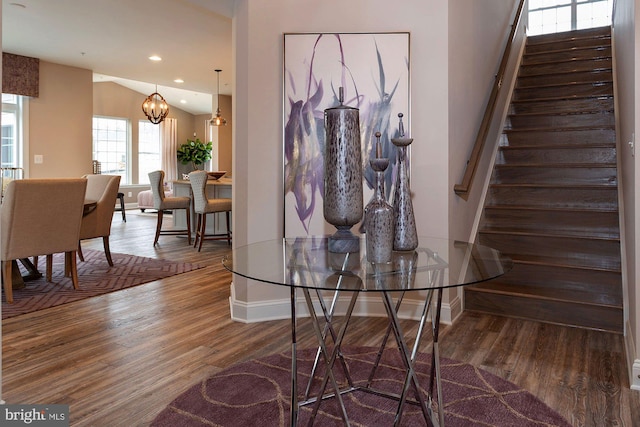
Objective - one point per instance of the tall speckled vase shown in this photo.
(343, 203)
(379, 218)
(406, 235)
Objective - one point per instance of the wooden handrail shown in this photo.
(463, 188)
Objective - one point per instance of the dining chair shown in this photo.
(41, 217)
(103, 189)
(162, 203)
(203, 206)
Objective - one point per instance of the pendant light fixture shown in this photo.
(155, 107)
(217, 120)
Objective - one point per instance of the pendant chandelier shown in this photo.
(155, 107)
(217, 120)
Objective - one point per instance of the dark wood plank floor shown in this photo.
(119, 359)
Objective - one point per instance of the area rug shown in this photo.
(95, 277)
(256, 393)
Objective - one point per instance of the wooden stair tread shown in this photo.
(550, 209)
(549, 235)
(543, 293)
(558, 165)
(576, 146)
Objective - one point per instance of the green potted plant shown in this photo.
(195, 152)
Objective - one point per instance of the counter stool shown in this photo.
(203, 206)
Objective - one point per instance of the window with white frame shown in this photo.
(110, 146)
(148, 150)
(11, 151)
(554, 16)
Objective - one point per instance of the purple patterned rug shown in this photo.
(95, 277)
(256, 393)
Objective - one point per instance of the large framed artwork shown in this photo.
(373, 70)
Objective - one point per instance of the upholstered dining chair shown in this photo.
(202, 206)
(103, 189)
(41, 217)
(162, 203)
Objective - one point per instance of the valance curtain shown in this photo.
(169, 144)
(20, 75)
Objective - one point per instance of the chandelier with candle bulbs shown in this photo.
(155, 107)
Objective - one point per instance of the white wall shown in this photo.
(627, 98)
(258, 28)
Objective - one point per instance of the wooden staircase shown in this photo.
(552, 204)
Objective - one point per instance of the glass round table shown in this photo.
(305, 264)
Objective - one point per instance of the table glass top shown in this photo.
(305, 262)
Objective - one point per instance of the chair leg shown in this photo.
(198, 222)
(35, 262)
(49, 267)
(228, 229)
(189, 226)
(73, 267)
(107, 251)
(7, 279)
(80, 251)
(203, 228)
(158, 226)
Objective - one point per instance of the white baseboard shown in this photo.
(366, 305)
(633, 363)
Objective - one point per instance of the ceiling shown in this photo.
(114, 39)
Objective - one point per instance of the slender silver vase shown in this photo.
(342, 176)
(406, 235)
(379, 218)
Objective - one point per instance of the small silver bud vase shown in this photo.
(379, 214)
(342, 176)
(406, 235)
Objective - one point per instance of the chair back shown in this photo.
(41, 216)
(198, 180)
(156, 178)
(102, 189)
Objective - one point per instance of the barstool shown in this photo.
(162, 203)
(204, 206)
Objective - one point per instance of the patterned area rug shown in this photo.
(257, 393)
(95, 277)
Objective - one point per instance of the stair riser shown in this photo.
(557, 155)
(587, 316)
(576, 198)
(577, 252)
(602, 287)
(567, 55)
(565, 91)
(564, 79)
(574, 136)
(549, 175)
(565, 67)
(563, 105)
(582, 223)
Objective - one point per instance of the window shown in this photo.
(148, 150)
(110, 142)
(11, 152)
(553, 16)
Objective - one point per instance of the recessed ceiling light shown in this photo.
(182, 101)
(179, 81)
(155, 58)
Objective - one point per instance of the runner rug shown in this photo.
(95, 277)
(256, 393)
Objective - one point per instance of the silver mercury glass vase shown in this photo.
(343, 203)
(406, 235)
(379, 216)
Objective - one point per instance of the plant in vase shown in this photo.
(195, 152)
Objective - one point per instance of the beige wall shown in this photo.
(258, 190)
(626, 34)
(60, 122)
(225, 138)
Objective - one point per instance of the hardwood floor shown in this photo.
(119, 359)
